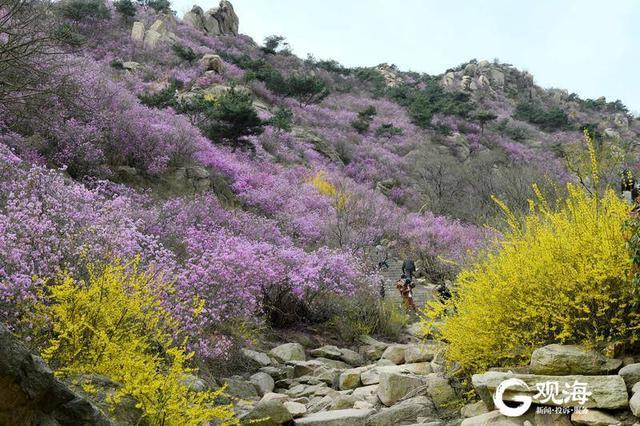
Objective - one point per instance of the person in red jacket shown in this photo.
(406, 291)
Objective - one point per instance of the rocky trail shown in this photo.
(379, 384)
(421, 293)
(374, 384)
(385, 384)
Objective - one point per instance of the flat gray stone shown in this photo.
(594, 418)
(371, 376)
(608, 392)
(263, 382)
(630, 374)
(560, 360)
(394, 387)
(349, 417)
(494, 418)
(395, 353)
(288, 352)
(258, 357)
(404, 412)
(420, 352)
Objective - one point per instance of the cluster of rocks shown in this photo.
(389, 73)
(157, 32)
(221, 20)
(212, 63)
(405, 384)
(488, 76)
(620, 123)
(603, 400)
(380, 384)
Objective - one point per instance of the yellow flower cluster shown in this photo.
(114, 325)
(595, 172)
(627, 178)
(559, 275)
(320, 182)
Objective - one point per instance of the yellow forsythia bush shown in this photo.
(560, 275)
(320, 182)
(114, 325)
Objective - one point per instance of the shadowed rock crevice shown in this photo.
(31, 395)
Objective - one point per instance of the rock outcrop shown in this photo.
(212, 62)
(221, 20)
(31, 394)
(488, 77)
(157, 33)
(389, 74)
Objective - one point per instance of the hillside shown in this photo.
(216, 189)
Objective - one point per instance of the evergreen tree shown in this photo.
(232, 118)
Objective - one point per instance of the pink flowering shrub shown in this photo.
(105, 125)
(223, 262)
(50, 223)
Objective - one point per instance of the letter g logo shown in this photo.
(499, 402)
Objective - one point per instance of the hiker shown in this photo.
(443, 291)
(627, 185)
(405, 287)
(382, 256)
(408, 268)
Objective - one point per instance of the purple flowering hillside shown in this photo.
(247, 188)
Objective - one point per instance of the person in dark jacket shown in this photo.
(408, 268)
(443, 291)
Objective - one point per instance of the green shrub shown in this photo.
(600, 104)
(372, 77)
(388, 130)
(274, 82)
(231, 118)
(423, 104)
(330, 65)
(159, 5)
(67, 34)
(185, 53)
(117, 64)
(361, 124)
(308, 89)
(483, 117)
(549, 120)
(126, 8)
(272, 43)
(512, 131)
(78, 10)
(282, 119)
(161, 99)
